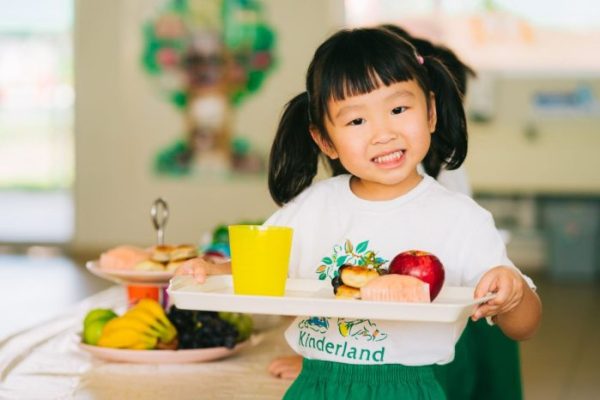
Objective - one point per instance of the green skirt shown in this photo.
(486, 366)
(330, 381)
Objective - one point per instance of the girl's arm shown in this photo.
(200, 268)
(516, 309)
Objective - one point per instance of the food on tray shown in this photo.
(94, 323)
(173, 265)
(183, 252)
(158, 258)
(356, 277)
(149, 265)
(123, 257)
(347, 292)
(350, 279)
(393, 287)
(171, 257)
(144, 326)
(161, 253)
(201, 329)
(425, 269)
(422, 265)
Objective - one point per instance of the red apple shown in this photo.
(422, 265)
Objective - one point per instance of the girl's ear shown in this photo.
(324, 145)
(432, 113)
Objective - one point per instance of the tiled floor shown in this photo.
(560, 363)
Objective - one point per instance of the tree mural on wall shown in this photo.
(208, 56)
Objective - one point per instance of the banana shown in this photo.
(129, 322)
(146, 318)
(127, 339)
(156, 310)
(142, 345)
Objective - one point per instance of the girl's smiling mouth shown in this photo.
(389, 159)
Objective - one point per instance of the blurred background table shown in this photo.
(46, 362)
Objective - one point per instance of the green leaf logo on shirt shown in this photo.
(347, 253)
(360, 329)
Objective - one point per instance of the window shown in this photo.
(36, 120)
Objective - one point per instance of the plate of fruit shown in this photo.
(131, 264)
(146, 334)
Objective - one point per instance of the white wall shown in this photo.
(561, 157)
(122, 122)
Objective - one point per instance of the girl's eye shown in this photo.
(356, 121)
(398, 110)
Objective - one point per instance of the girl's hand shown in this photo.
(508, 285)
(286, 367)
(200, 269)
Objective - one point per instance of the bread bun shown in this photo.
(357, 276)
(161, 253)
(173, 265)
(149, 265)
(183, 252)
(347, 292)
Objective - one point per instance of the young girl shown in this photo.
(486, 363)
(381, 109)
(288, 367)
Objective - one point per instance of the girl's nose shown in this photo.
(383, 133)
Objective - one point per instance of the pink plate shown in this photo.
(129, 275)
(161, 356)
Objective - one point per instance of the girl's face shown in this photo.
(380, 138)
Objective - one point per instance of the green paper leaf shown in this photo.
(327, 261)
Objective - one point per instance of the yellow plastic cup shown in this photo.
(260, 257)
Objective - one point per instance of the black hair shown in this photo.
(354, 62)
(459, 70)
(294, 157)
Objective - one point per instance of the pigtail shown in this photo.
(294, 155)
(449, 141)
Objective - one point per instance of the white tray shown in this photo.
(130, 276)
(311, 297)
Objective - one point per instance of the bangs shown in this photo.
(363, 63)
(356, 77)
(356, 62)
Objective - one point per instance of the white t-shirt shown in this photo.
(332, 226)
(456, 180)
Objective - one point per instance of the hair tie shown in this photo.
(420, 59)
